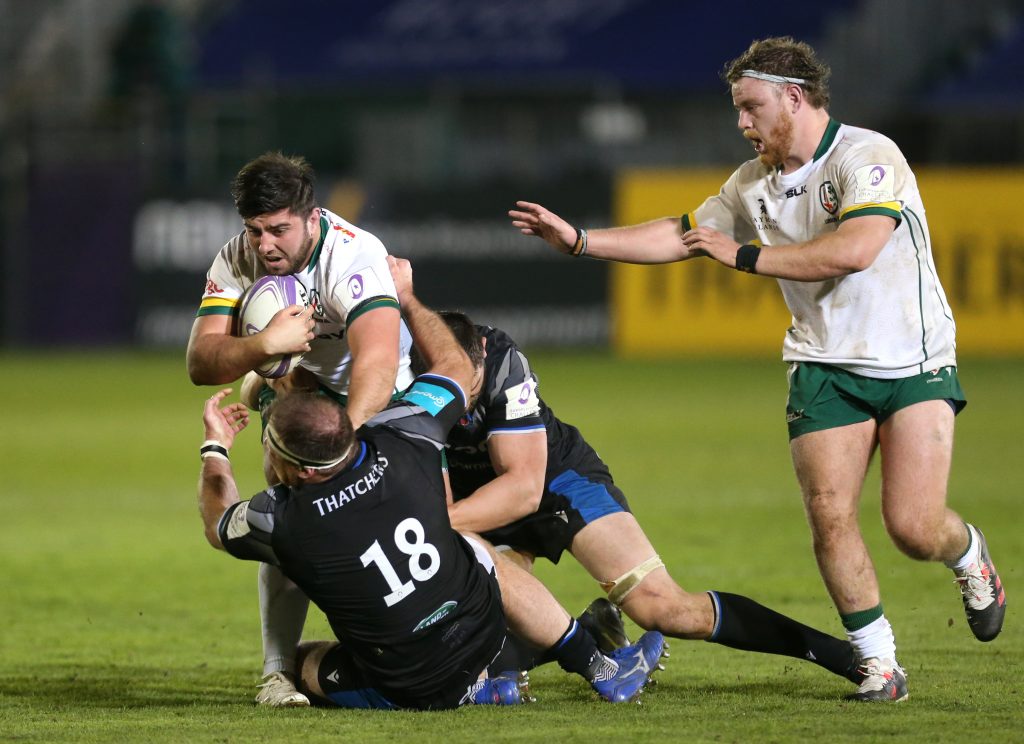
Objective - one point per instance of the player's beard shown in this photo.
(779, 142)
(300, 260)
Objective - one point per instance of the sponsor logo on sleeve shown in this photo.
(522, 401)
(238, 525)
(431, 398)
(875, 183)
(355, 286)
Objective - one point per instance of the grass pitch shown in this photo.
(119, 623)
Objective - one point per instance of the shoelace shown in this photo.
(874, 675)
(976, 587)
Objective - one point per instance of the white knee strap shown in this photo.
(619, 589)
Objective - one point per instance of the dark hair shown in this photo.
(272, 182)
(465, 332)
(781, 55)
(311, 425)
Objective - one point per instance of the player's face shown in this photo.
(764, 119)
(283, 241)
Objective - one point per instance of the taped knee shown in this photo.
(620, 588)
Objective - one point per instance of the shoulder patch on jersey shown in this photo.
(431, 398)
(238, 525)
(875, 183)
(522, 401)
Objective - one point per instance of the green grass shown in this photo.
(119, 623)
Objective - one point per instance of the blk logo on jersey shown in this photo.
(828, 197)
(796, 191)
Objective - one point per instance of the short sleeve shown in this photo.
(428, 409)
(513, 403)
(871, 176)
(246, 528)
(223, 291)
(367, 285)
(723, 212)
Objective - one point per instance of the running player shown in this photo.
(833, 212)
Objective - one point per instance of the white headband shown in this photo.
(767, 76)
(274, 441)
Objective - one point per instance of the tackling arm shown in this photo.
(441, 352)
(520, 460)
(217, 489)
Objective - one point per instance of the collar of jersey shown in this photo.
(316, 251)
(827, 139)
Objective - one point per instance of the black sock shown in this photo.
(576, 651)
(518, 655)
(744, 624)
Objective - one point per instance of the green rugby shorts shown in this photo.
(822, 396)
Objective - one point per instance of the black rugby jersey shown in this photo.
(508, 403)
(373, 548)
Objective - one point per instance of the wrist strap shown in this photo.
(579, 248)
(213, 448)
(746, 258)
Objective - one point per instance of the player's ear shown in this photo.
(483, 345)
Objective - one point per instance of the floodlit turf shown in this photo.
(119, 623)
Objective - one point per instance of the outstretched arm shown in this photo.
(658, 241)
(217, 489)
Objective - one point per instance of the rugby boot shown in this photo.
(507, 688)
(625, 671)
(883, 681)
(982, 592)
(278, 691)
(604, 621)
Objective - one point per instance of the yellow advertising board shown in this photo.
(700, 307)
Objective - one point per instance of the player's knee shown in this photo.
(666, 607)
(915, 540)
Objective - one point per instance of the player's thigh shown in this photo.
(830, 466)
(917, 448)
(612, 545)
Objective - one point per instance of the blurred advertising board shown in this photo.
(699, 307)
(465, 256)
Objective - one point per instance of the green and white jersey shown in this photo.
(891, 320)
(347, 276)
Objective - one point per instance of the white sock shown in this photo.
(282, 613)
(971, 556)
(874, 641)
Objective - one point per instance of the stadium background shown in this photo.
(123, 121)
(121, 124)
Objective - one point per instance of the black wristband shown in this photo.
(746, 258)
(210, 449)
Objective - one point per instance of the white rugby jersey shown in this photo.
(891, 320)
(347, 276)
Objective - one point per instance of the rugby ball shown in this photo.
(262, 302)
